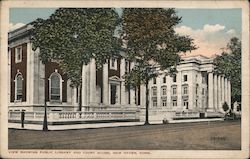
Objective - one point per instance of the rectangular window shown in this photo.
(185, 78)
(154, 91)
(185, 90)
(185, 103)
(113, 64)
(154, 102)
(203, 91)
(164, 79)
(174, 78)
(18, 54)
(174, 102)
(174, 90)
(164, 91)
(196, 90)
(164, 102)
(154, 80)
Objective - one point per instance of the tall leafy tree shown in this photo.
(229, 64)
(152, 42)
(74, 36)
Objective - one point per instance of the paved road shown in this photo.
(186, 136)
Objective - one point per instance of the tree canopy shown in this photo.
(151, 39)
(152, 42)
(229, 64)
(73, 36)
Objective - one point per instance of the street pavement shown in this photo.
(217, 135)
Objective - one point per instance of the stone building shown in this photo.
(194, 88)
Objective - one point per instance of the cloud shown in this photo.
(210, 39)
(15, 26)
(213, 28)
(231, 31)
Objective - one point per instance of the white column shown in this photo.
(92, 84)
(69, 92)
(30, 74)
(191, 89)
(222, 90)
(210, 91)
(168, 80)
(85, 84)
(229, 93)
(225, 94)
(199, 78)
(179, 93)
(132, 91)
(73, 95)
(158, 85)
(219, 92)
(143, 96)
(215, 92)
(123, 88)
(105, 84)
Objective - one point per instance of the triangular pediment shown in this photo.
(114, 78)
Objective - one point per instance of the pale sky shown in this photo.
(211, 29)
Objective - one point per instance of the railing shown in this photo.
(28, 115)
(187, 114)
(76, 115)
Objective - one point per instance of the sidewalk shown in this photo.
(100, 125)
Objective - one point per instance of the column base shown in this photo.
(210, 110)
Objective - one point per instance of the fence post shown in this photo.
(22, 118)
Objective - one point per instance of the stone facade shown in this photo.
(194, 88)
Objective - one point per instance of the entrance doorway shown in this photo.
(113, 93)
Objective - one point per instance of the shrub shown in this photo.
(225, 106)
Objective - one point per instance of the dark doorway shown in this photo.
(113, 94)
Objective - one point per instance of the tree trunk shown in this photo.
(80, 89)
(80, 98)
(147, 103)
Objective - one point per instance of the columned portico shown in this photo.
(210, 91)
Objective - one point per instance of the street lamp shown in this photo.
(45, 122)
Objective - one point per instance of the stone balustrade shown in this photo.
(187, 114)
(76, 115)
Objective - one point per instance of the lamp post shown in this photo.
(45, 122)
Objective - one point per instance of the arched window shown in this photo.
(19, 87)
(55, 87)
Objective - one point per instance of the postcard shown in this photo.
(124, 79)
